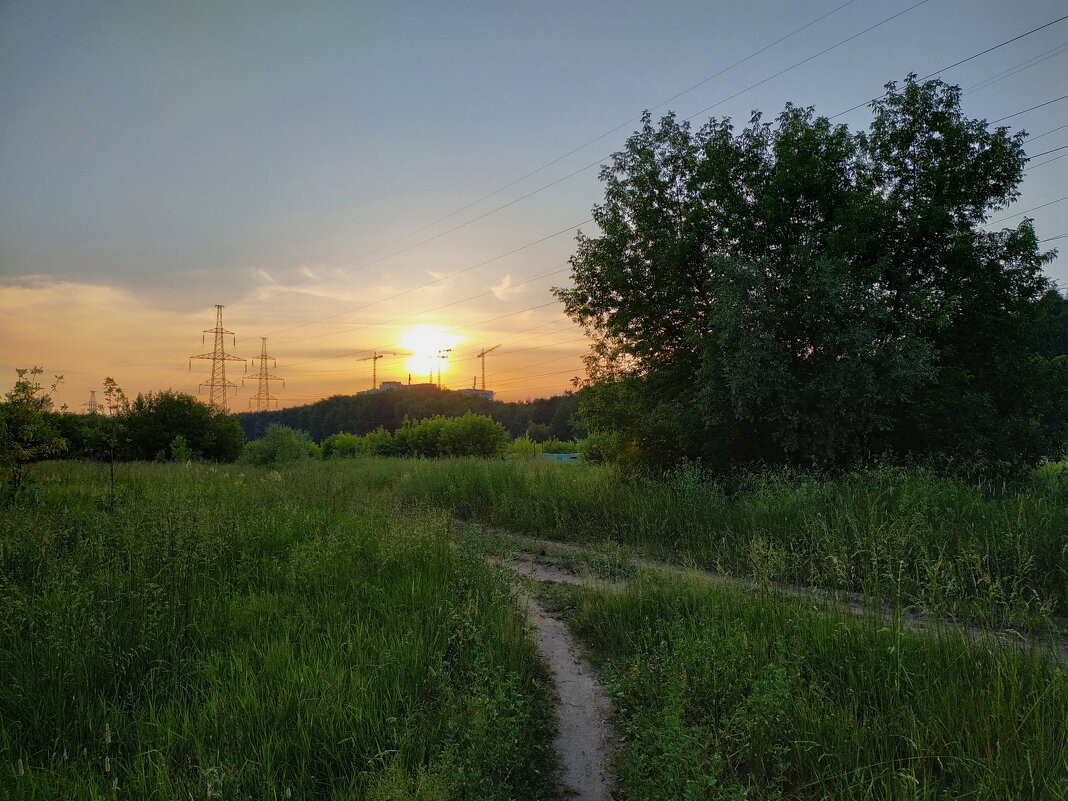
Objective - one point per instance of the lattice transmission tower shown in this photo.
(218, 384)
(263, 397)
(91, 406)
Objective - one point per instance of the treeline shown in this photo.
(164, 426)
(388, 409)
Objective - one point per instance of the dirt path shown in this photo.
(548, 568)
(583, 738)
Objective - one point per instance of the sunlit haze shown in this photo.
(406, 179)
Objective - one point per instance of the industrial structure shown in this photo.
(218, 384)
(263, 397)
(374, 365)
(91, 406)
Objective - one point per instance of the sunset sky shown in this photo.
(398, 176)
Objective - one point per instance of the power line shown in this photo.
(1047, 161)
(600, 160)
(436, 280)
(850, 38)
(958, 63)
(1025, 211)
(586, 144)
(449, 331)
(1047, 133)
(810, 58)
(1051, 238)
(1018, 113)
(408, 315)
(583, 169)
(1026, 64)
(1047, 152)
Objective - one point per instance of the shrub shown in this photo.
(279, 445)
(154, 420)
(473, 435)
(341, 446)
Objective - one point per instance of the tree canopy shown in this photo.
(796, 293)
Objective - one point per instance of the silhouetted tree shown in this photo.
(796, 293)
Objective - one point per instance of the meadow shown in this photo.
(245, 633)
(728, 694)
(327, 629)
(997, 555)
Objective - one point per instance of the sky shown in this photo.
(352, 178)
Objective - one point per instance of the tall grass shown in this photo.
(229, 633)
(726, 694)
(907, 538)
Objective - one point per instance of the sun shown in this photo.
(428, 343)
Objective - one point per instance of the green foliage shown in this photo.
(797, 294)
(539, 432)
(26, 433)
(468, 435)
(905, 537)
(604, 446)
(280, 445)
(522, 448)
(387, 409)
(340, 446)
(180, 450)
(152, 422)
(726, 694)
(249, 633)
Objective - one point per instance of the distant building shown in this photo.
(390, 385)
(478, 393)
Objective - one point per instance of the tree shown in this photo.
(153, 421)
(26, 434)
(796, 293)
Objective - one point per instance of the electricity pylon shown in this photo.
(263, 396)
(443, 353)
(218, 384)
(374, 365)
(92, 407)
(482, 356)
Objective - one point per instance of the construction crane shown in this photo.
(374, 364)
(482, 356)
(443, 353)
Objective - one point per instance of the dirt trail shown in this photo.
(547, 568)
(583, 738)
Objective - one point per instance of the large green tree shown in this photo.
(153, 421)
(797, 293)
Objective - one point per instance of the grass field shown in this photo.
(905, 538)
(727, 694)
(227, 633)
(323, 631)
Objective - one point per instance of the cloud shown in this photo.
(504, 290)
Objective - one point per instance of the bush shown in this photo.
(279, 445)
(602, 447)
(522, 447)
(341, 446)
(473, 435)
(155, 420)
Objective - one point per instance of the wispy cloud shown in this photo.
(504, 290)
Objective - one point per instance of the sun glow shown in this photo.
(428, 345)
